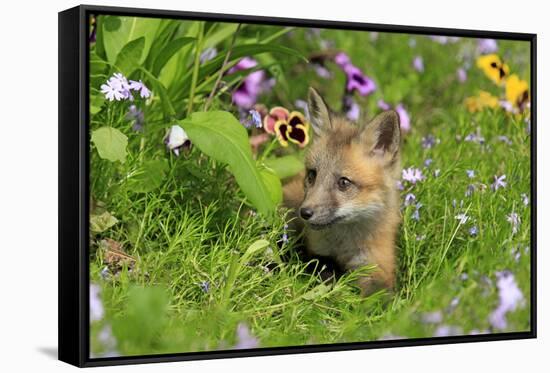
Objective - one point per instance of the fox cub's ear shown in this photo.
(318, 112)
(382, 135)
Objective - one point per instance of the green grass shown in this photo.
(196, 226)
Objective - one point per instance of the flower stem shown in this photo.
(222, 70)
(196, 66)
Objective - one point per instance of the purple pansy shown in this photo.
(255, 83)
(356, 80)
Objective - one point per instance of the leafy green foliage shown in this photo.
(110, 143)
(219, 135)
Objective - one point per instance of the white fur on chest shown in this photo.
(345, 243)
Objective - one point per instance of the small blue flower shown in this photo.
(473, 231)
(428, 162)
(471, 173)
(205, 286)
(409, 199)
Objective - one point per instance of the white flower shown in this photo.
(111, 91)
(176, 139)
(462, 218)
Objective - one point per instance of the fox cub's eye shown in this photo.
(344, 183)
(310, 177)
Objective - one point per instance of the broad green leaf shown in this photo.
(149, 176)
(220, 135)
(167, 52)
(102, 222)
(110, 143)
(272, 184)
(286, 166)
(119, 31)
(129, 55)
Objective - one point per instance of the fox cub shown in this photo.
(347, 202)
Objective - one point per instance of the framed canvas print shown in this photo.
(234, 186)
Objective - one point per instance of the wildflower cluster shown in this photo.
(119, 88)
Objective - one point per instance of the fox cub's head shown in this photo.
(351, 170)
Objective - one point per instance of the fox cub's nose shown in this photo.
(306, 213)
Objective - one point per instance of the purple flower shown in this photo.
(409, 199)
(351, 107)
(177, 139)
(432, 317)
(505, 140)
(253, 119)
(487, 46)
(144, 92)
(208, 54)
(473, 231)
(464, 276)
(429, 142)
(475, 137)
(412, 175)
(462, 218)
(112, 90)
(471, 173)
(510, 298)
(136, 115)
(96, 307)
(499, 182)
(416, 213)
(246, 94)
(301, 104)
(342, 59)
(461, 75)
(399, 185)
(404, 119)
(470, 189)
(356, 80)
(428, 162)
(244, 338)
(524, 199)
(447, 330)
(322, 71)
(284, 238)
(383, 105)
(418, 64)
(515, 220)
(205, 286)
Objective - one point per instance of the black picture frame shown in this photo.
(73, 318)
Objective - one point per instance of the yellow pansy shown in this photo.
(517, 91)
(481, 101)
(493, 67)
